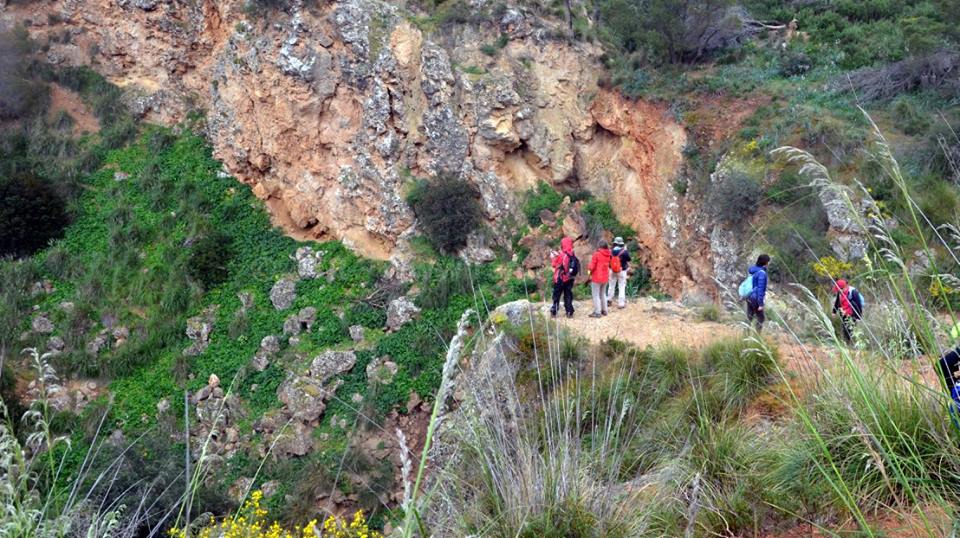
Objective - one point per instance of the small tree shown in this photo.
(31, 214)
(736, 198)
(448, 209)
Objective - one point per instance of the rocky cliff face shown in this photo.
(327, 108)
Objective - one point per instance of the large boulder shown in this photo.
(515, 312)
(198, 330)
(41, 324)
(304, 397)
(400, 312)
(294, 440)
(308, 261)
(284, 293)
(331, 363)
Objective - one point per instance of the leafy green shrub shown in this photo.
(709, 312)
(640, 281)
(261, 7)
(492, 49)
(448, 210)
(536, 200)
(117, 126)
(736, 198)
(32, 213)
(666, 30)
(797, 240)
(789, 187)
(908, 119)
(209, 258)
(938, 199)
(441, 281)
(600, 213)
(795, 63)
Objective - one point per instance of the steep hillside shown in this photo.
(236, 238)
(327, 111)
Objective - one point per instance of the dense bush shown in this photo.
(669, 30)
(736, 198)
(31, 214)
(794, 63)
(859, 33)
(209, 255)
(448, 210)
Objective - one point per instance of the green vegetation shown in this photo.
(448, 209)
(736, 198)
(31, 214)
(535, 201)
(158, 236)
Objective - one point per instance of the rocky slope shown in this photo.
(328, 109)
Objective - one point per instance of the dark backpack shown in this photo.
(856, 301)
(574, 266)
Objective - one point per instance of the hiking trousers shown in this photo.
(564, 289)
(599, 293)
(617, 284)
(754, 312)
(846, 327)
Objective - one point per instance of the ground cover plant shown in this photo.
(158, 236)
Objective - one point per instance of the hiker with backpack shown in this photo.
(849, 304)
(753, 290)
(566, 267)
(619, 262)
(599, 270)
(949, 364)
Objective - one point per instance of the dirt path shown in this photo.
(648, 322)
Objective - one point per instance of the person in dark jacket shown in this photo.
(565, 269)
(849, 304)
(599, 270)
(617, 284)
(950, 372)
(755, 301)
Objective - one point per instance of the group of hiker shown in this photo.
(847, 303)
(608, 280)
(608, 276)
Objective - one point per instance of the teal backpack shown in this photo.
(746, 287)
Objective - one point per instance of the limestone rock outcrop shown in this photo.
(326, 109)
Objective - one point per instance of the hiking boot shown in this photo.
(553, 313)
(604, 313)
(594, 315)
(569, 314)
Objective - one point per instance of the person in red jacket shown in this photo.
(566, 266)
(599, 270)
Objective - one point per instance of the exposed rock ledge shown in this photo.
(326, 111)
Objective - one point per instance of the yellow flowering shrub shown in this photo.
(941, 293)
(251, 522)
(830, 267)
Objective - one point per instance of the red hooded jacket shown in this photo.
(561, 262)
(600, 266)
